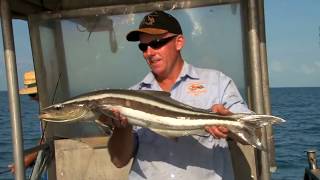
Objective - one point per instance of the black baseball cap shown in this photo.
(155, 23)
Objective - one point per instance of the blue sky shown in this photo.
(293, 44)
(23, 53)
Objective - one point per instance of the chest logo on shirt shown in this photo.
(196, 88)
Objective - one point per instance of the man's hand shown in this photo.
(28, 160)
(117, 120)
(219, 131)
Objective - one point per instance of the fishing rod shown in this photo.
(53, 99)
(55, 89)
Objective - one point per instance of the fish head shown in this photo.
(65, 112)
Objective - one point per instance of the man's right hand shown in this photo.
(118, 120)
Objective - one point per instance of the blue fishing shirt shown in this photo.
(188, 157)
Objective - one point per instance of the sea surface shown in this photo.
(299, 106)
(31, 130)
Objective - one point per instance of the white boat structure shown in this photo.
(80, 46)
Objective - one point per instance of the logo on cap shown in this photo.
(149, 20)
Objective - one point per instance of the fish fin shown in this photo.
(107, 129)
(164, 133)
(101, 109)
(246, 136)
(156, 93)
(173, 134)
(106, 124)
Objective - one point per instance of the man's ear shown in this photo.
(180, 42)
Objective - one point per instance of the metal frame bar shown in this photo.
(12, 82)
(141, 7)
(256, 81)
(265, 85)
(41, 80)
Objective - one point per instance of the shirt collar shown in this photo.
(188, 72)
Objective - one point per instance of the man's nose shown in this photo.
(149, 51)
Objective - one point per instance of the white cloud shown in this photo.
(277, 66)
(311, 68)
(307, 69)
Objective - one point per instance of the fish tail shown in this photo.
(246, 135)
(261, 120)
(250, 123)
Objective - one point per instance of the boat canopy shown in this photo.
(79, 46)
(20, 9)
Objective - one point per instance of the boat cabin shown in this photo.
(80, 46)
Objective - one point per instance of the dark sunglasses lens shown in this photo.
(155, 44)
(158, 44)
(143, 47)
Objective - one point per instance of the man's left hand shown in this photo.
(219, 131)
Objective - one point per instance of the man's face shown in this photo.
(161, 60)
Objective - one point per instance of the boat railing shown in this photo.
(312, 172)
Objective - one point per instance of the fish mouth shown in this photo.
(50, 118)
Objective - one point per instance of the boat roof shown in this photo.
(20, 9)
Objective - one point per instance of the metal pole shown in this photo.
(263, 56)
(312, 159)
(265, 84)
(256, 80)
(12, 82)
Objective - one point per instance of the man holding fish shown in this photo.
(176, 133)
(188, 157)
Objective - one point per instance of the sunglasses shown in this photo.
(155, 44)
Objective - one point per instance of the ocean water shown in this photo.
(31, 130)
(299, 106)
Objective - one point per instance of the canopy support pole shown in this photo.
(12, 83)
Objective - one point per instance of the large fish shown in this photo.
(157, 111)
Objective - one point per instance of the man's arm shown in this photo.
(121, 146)
(122, 142)
(29, 159)
(232, 99)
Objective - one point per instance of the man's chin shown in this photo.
(156, 72)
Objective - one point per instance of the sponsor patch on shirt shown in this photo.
(196, 88)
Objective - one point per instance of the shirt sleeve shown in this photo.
(134, 87)
(231, 97)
